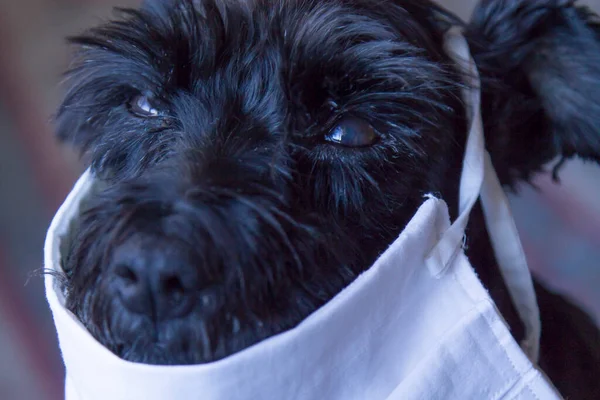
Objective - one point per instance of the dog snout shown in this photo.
(158, 283)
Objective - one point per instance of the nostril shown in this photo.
(172, 287)
(172, 284)
(133, 288)
(126, 274)
(174, 298)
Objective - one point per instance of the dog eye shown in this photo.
(352, 132)
(142, 106)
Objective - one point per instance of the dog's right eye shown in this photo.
(143, 106)
(352, 132)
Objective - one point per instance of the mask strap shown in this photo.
(511, 258)
(471, 180)
(479, 179)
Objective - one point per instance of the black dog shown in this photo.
(256, 156)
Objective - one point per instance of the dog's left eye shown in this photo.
(352, 132)
(143, 106)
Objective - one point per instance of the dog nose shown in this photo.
(153, 282)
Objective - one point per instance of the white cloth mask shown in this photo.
(418, 324)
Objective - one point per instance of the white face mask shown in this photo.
(417, 325)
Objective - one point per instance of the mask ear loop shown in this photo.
(471, 180)
(511, 258)
(479, 179)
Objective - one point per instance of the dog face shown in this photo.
(259, 156)
(256, 156)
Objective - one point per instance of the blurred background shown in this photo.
(560, 225)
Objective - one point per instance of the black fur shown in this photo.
(234, 188)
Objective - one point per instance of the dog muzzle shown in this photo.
(418, 324)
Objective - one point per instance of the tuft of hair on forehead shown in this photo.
(177, 34)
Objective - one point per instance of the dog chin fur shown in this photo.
(236, 174)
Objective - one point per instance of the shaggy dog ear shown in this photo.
(540, 67)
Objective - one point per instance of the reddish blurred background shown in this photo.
(560, 225)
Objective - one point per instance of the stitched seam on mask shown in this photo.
(446, 335)
(530, 376)
(363, 350)
(381, 325)
(507, 387)
(531, 391)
